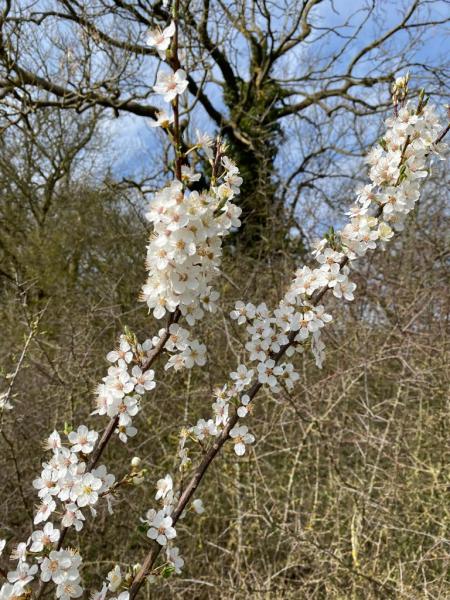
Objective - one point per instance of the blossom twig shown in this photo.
(224, 435)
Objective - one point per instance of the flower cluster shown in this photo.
(59, 566)
(160, 525)
(183, 258)
(397, 168)
(289, 328)
(185, 248)
(186, 352)
(267, 336)
(120, 393)
(65, 487)
(65, 478)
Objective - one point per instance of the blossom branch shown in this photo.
(183, 257)
(112, 426)
(399, 174)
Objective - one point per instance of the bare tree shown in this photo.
(39, 159)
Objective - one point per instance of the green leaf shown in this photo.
(167, 571)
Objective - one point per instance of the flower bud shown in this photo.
(135, 462)
(197, 505)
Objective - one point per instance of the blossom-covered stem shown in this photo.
(112, 425)
(153, 355)
(212, 452)
(183, 257)
(203, 467)
(98, 451)
(176, 102)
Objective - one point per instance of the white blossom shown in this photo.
(240, 438)
(53, 441)
(45, 509)
(242, 377)
(123, 353)
(20, 551)
(205, 142)
(83, 440)
(106, 478)
(305, 323)
(220, 409)
(195, 353)
(164, 486)
(47, 483)
(72, 517)
(114, 578)
(161, 528)
(289, 376)
(171, 85)
(60, 566)
(68, 589)
(342, 287)
(125, 432)
(87, 489)
(160, 39)
(174, 558)
(268, 372)
(45, 537)
(23, 574)
(243, 312)
(204, 428)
